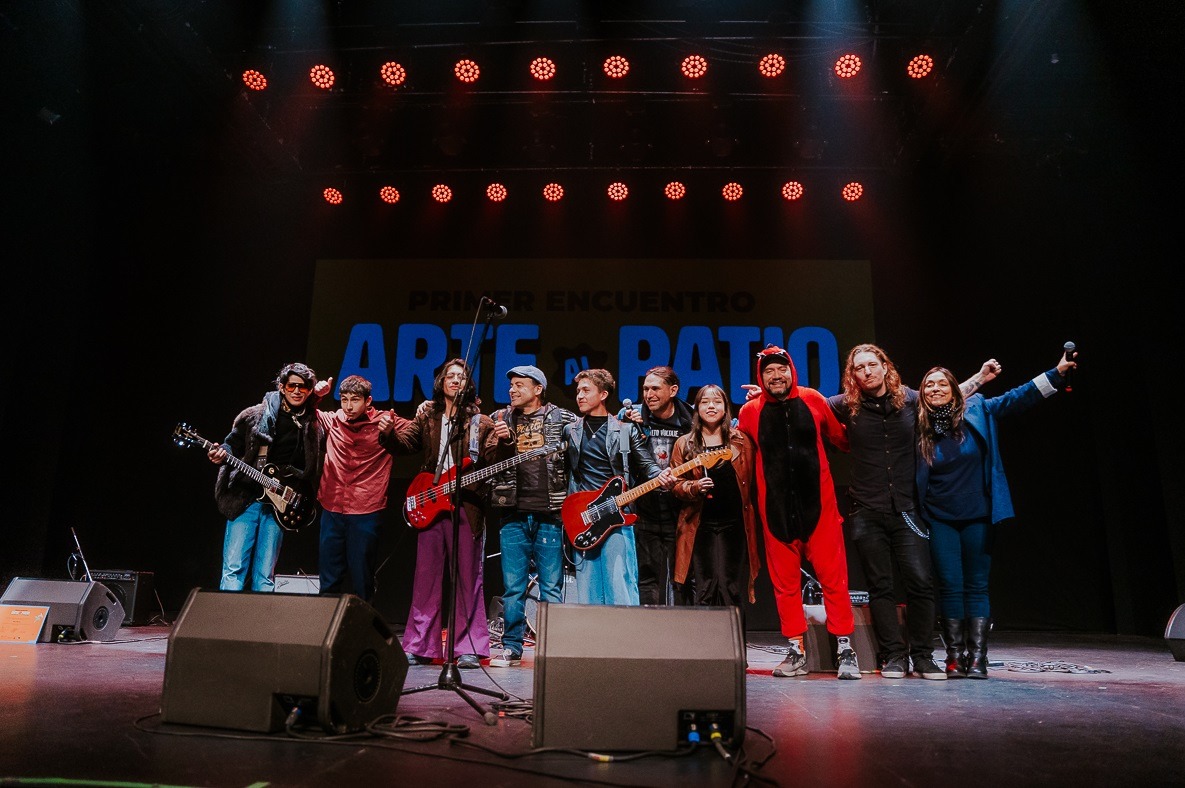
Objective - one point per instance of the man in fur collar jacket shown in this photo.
(280, 431)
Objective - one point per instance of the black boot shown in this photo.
(952, 637)
(977, 647)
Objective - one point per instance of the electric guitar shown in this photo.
(292, 509)
(426, 504)
(590, 516)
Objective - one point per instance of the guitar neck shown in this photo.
(247, 468)
(637, 492)
(498, 467)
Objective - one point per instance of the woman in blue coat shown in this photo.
(963, 492)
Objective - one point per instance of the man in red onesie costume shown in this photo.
(796, 498)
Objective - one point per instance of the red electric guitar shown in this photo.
(426, 503)
(590, 516)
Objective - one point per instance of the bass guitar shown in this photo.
(590, 516)
(425, 503)
(292, 509)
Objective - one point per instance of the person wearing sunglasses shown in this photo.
(280, 431)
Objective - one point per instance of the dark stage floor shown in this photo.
(1059, 709)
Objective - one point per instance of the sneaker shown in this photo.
(895, 668)
(928, 669)
(507, 659)
(468, 661)
(793, 665)
(846, 665)
(415, 659)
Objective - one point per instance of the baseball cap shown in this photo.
(528, 371)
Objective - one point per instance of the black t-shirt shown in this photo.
(723, 502)
(532, 474)
(660, 506)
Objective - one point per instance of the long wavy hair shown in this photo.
(468, 394)
(696, 439)
(927, 436)
(852, 393)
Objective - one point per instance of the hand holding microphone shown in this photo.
(627, 405)
(1070, 362)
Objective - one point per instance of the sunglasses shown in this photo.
(295, 386)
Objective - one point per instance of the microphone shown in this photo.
(1071, 351)
(497, 309)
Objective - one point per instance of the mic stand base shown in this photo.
(450, 679)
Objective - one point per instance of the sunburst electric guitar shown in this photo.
(590, 516)
(426, 503)
(292, 508)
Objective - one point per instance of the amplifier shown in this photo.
(858, 597)
(134, 590)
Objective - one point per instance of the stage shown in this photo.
(1058, 709)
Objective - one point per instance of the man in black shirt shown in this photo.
(664, 418)
(880, 414)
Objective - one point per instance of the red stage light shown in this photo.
(694, 66)
(732, 191)
(771, 65)
(496, 192)
(254, 80)
(553, 192)
(467, 71)
(675, 190)
(441, 193)
(616, 66)
(542, 68)
(920, 66)
(389, 194)
(321, 75)
(618, 191)
(853, 191)
(792, 190)
(847, 66)
(332, 196)
(393, 73)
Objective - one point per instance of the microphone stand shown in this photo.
(450, 675)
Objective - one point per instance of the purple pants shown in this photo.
(426, 618)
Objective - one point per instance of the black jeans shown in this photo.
(656, 557)
(882, 539)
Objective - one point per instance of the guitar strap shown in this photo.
(474, 445)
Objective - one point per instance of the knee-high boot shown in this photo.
(952, 636)
(977, 647)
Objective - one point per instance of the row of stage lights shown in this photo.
(617, 192)
(468, 71)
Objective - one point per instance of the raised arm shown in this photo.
(990, 370)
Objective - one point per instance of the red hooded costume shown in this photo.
(796, 497)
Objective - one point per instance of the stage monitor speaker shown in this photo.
(820, 644)
(78, 609)
(134, 591)
(1174, 634)
(245, 660)
(638, 678)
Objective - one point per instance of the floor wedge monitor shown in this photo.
(247, 660)
(638, 678)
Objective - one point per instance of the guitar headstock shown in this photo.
(714, 457)
(185, 436)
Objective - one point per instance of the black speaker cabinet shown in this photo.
(78, 609)
(638, 678)
(134, 591)
(1174, 634)
(244, 660)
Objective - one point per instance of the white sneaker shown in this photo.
(507, 659)
(846, 664)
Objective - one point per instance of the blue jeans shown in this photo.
(348, 544)
(527, 537)
(251, 546)
(608, 573)
(961, 566)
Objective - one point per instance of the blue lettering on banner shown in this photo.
(366, 355)
(697, 362)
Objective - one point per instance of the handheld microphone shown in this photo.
(497, 309)
(1071, 351)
